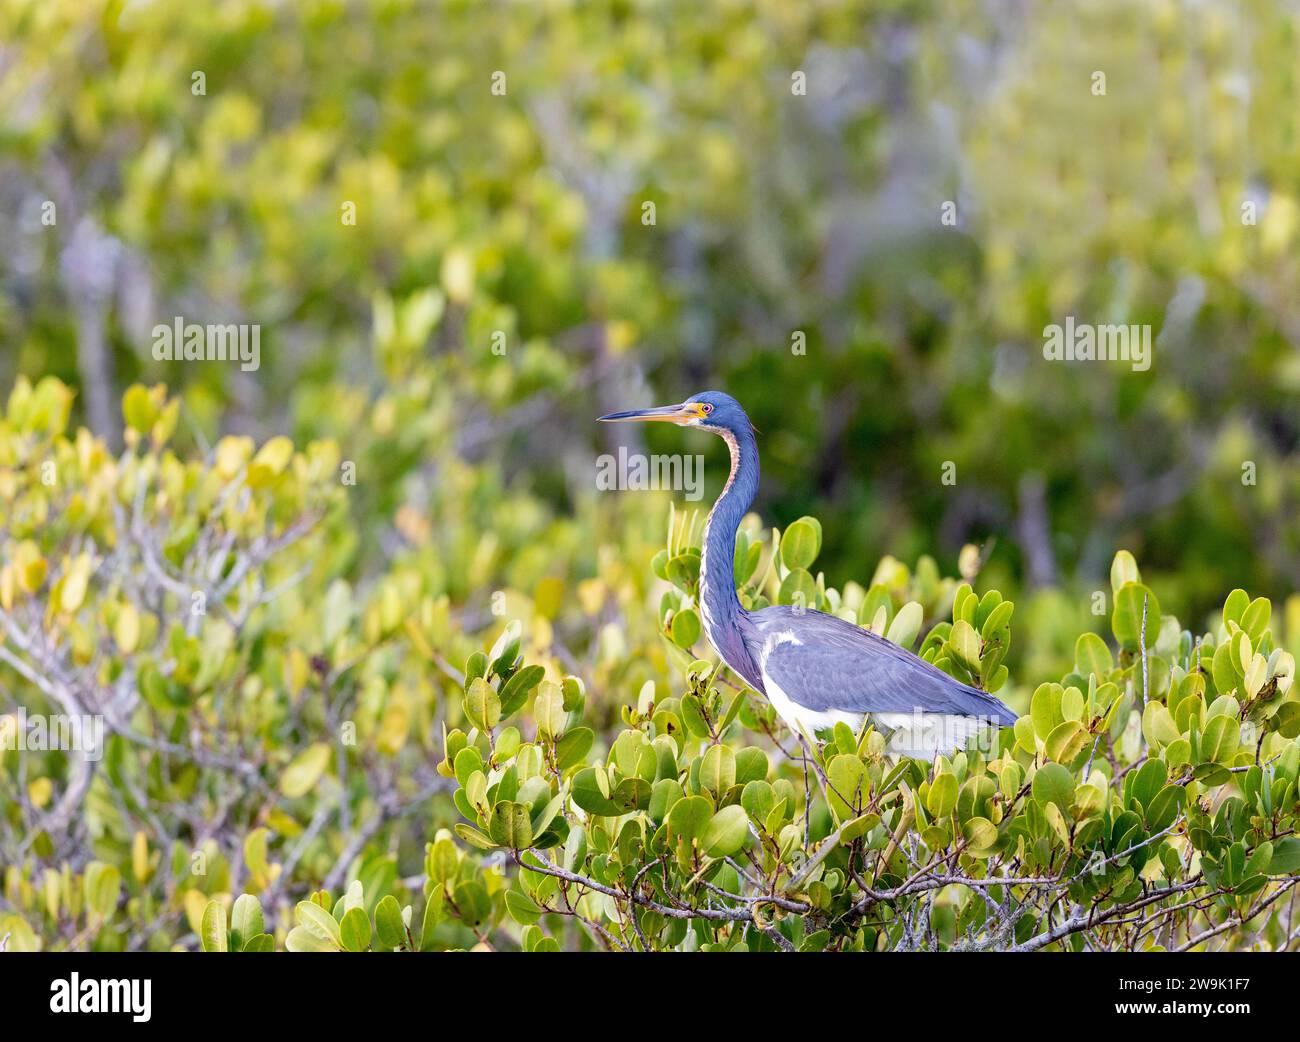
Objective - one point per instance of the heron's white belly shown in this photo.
(925, 735)
(918, 735)
(800, 718)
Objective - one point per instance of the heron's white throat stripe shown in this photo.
(706, 616)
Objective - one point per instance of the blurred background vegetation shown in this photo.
(202, 160)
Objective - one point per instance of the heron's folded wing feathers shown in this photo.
(851, 669)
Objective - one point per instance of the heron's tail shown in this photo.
(989, 707)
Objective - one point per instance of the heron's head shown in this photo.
(710, 410)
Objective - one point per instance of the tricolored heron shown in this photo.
(815, 669)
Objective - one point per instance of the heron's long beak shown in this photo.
(684, 413)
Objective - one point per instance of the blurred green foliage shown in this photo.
(777, 213)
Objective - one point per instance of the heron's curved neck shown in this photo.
(717, 568)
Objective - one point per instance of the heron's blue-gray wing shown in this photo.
(825, 663)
